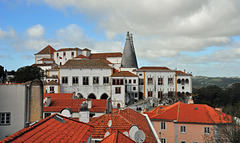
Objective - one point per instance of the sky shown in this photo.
(200, 36)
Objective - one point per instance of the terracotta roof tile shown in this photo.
(104, 55)
(60, 101)
(154, 69)
(51, 130)
(94, 63)
(51, 83)
(122, 120)
(68, 49)
(192, 113)
(117, 137)
(123, 74)
(46, 59)
(183, 73)
(50, 64)
(47, 50)
(82, 57)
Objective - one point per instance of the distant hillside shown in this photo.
(223, 82)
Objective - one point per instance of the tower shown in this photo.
(129, 59)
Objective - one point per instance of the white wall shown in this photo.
(41, 56)
(48, 88)
(13, 100)
(85, 90)
(186, 87)
(66, 57)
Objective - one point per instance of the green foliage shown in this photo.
(28, 73)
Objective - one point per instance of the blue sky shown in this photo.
(194, 35)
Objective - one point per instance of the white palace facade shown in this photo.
(115, 75)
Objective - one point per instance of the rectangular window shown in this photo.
(117, 82)
(105, 80)
(47, 114)
(134, 88)
(170, 80)
(183, 141)
(72, 54)
(85, 80)
(140, 81)
(51, 89)
(134, 81)
(64, 80)
(129, 81)
(95, 80)
(163, 140)
(75, 80)
(160, 81)
(163, 125)
(183, 129)
(125, 81)
(150, 80)
(64, 53)
(5, 118)
(57, 54)
(160, 94)
(150, 93)
(206, 130)
(117, 90)
(170, 93)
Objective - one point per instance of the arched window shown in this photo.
(91, 96)
(179, 81)
(104, 96)
(187, 81)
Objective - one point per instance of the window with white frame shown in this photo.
(5, 118)
(51, 89)
(75, 80)
(160, 81)
(160, 94)
(206, 130)
(117, 90)
(170, 80)
(163, 140)
(105, 80)
(150, 93)
(64, 80)
(150, 80)
(85, 80)
(95, 80)
(183, 141)
(163, 125)
(183, 129)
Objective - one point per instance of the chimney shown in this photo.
(89, 102)
(184, 70)
(47, 101)
(84, 113)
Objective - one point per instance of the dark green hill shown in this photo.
(223, 82)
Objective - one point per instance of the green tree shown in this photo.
(28, 73)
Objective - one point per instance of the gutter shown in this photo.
(152, 128)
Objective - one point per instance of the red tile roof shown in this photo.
(123, 74)
(82, 56)
(117, 137)
(52, 130)
(47, 50)
(50, 64)
(68, 49)
(94, 63)
(154, 69)
(122, 120)
(190, 113)
(51, 83)
(46, 59)
(60, 101)
(183, 73)
(104, 55)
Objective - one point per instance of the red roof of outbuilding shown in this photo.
(122, 120)
(183, 73)
(51, 129)
(60, 101)
(81, 56)
(190, 113)
(154, 69)
(104, 55)
(117, 137)
(123, 74)
(47, 50)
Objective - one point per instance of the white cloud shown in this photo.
(7, 34)
(36, 31)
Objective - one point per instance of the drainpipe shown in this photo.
(152, 128)
(28, 106)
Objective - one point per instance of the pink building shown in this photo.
(188, 123)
